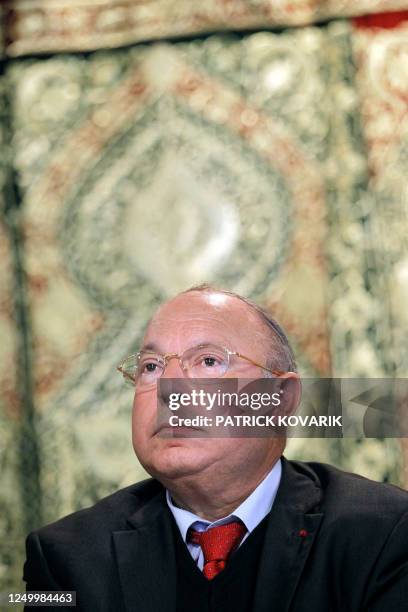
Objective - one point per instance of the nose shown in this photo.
(173, 368)
(167, 386)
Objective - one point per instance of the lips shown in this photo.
(175, 431)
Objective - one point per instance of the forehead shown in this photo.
(197, 317)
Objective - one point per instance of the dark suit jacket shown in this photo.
(334, 542)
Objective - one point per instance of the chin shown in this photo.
(174, 460)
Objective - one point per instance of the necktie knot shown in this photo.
(217, 544)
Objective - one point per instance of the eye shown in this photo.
(149, 365)
(210, 361)
(207, 361)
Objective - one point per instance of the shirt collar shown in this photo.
(251, 512)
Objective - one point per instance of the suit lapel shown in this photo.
(292, 527)
(145, 559)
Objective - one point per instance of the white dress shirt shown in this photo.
(251, 512)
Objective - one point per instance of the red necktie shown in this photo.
(217, 544)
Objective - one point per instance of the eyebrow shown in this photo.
(150, 346)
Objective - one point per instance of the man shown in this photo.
(226, 523)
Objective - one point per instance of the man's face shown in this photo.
(189, 320)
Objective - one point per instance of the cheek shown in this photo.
(143, 417)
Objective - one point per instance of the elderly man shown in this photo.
(225, 523)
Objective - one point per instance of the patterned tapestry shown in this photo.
(150, 146)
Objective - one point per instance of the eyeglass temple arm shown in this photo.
(125, 374)
(275, 372)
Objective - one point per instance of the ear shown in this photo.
(290, 390)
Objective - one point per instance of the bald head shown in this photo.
(254, 321)
(196, 317)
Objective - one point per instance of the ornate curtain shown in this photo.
(147, 146)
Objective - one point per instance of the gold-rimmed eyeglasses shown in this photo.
(202, 361)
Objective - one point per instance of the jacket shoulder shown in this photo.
(345, 493)
(107, 514)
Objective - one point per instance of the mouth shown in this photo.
(180, 431)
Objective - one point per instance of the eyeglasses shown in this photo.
(202, 361)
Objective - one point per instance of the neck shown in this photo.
(215, 499)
